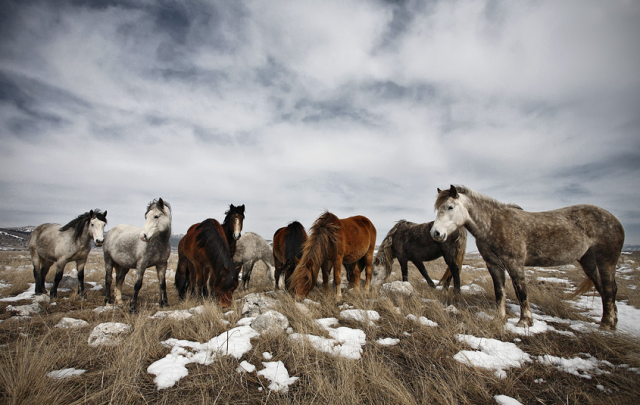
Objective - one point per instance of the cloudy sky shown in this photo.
(358, 107)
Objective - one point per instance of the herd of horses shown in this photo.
(507, 237)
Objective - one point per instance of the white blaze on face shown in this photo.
(96, 228)
(237, 227)
(152, 224)
(450, 217)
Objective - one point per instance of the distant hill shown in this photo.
(18, 238)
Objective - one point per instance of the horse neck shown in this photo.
(84, 241)
(480, 216)
(227, 227)
(163, 237)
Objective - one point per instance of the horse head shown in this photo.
(224, 292)
(236, 216)
(97, 221)
(451, 213)
(157, 219)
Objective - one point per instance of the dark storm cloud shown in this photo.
(291, 107)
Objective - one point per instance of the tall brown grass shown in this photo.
(419, 370)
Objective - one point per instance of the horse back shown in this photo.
(49, 243)
(358, 237)
(564, 235)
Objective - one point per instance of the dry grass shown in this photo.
(420, 369)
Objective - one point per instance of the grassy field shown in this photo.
(420, 369)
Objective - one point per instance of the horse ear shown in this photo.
(105, 214)
(91, 214)
(160, 203)
(453, 192)
(241, 208)
(439, 191)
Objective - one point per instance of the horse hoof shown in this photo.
(522, 323)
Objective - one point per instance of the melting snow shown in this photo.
(505, 400)
(169, 370)
(277, 373)
(65, 373)
(491, 354)
(577, 366)
(360, 315)
(345, 342)
(387, 341)
(246, 367)
(421, 320)
(628, 316)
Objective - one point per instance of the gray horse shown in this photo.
(127, 246)
(251, 249)
(509, 238)
(56, 245)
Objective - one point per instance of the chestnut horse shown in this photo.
(205, 263)
(509, 238)
(287, 250)
(334, 242)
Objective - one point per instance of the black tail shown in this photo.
(293, 240)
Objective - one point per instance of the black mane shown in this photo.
(80, 222)
(217, 250)
(293, 241)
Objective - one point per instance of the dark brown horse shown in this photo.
(205, 263)
(509, 238)
(410, 242)
(334, 242)
(287, 250)
(232, 225)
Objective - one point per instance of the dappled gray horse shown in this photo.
(127, 246)
(56, 245)
(509, 238)
(250, 249)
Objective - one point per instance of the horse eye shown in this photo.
(157, 216)
(451, 207)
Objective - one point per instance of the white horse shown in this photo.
(127, 246)
(56, 245)
(251, 249)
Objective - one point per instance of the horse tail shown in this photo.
(385, 254)
(584, 287)
(324, 238)
(293, 240)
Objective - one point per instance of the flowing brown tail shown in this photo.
(584, 287)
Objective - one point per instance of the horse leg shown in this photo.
(455, 273)
(60, 264)
(355, 275)
(108, 277)
(161, 268)
(404, 269)
(602, 274)
(247, 268)
(609, 290)
(121, 273)
(368, 266)
(498, 277)
(35, 260)
(133, 306)
(326, 269)
(516, 272)
(278, 272)
(182, 277)
(337, 276)
(80, 266)
(424, 273)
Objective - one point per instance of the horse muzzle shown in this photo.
(438, 237)
(236, 235)
(99, 242)
(144, 237)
